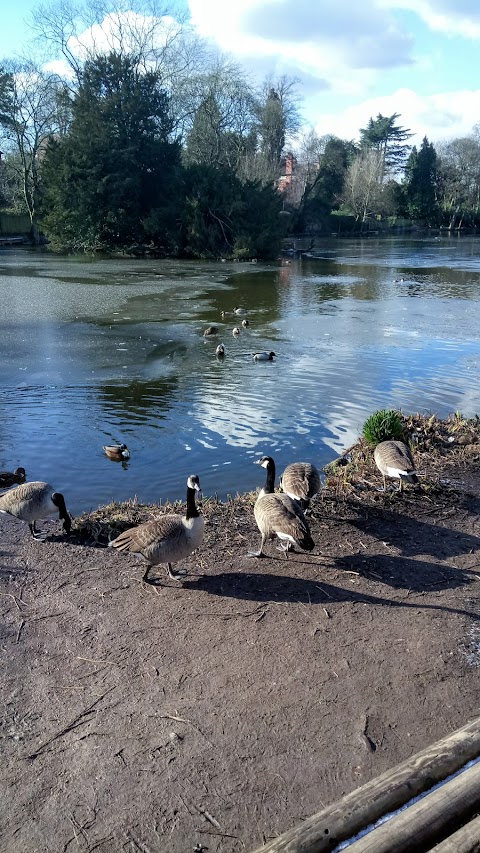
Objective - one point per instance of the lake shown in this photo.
(102, 351)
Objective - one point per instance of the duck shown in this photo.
(209, 331)
(301, 482)
(118, 452)
(226, 313)
(9, 478)
(32, 501)
(220, 351)
(277, 515)
(263, 356)
(394, 459)
(245, 324)
(169, 538)
(240, 311)
(235, 331)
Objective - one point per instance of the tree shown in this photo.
(387, 138)
(324, 180)
(115, 165)
(421, 181)
(459, 180)
(29, 116)
(363, 190)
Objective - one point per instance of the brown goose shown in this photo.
(277, 515)
(394, 459)
(32, 501)
(9, 478)
(167, 539)
(301, 482)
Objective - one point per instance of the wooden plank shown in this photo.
(417, 827)
(323, 831)
(465, 840)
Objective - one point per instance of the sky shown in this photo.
(353, 58)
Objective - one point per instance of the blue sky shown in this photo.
(354, 58)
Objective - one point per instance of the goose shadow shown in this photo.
(256, 587)
(403, 573)
(413, 537)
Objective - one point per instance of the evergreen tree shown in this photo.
(420, 185)
(389, 139)
(115, 164)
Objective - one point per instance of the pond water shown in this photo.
(101, 351)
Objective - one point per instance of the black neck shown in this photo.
(269, 486)
(192, 511)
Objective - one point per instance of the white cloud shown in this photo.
(441, 116)
(453, 17)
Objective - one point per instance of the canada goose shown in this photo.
(263, 356)
(245, 324)
(235, 331)
(167, 539)
(394, 459)
(119, 452)
(277, 515)
(32, 501)
(209, 331)
(240, 311)
(301, 482)
(220, 351)
(9, 478)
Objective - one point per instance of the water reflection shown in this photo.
(97, 352)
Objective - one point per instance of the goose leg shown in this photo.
(175, 575)
(145, 578)
(39, 535)
(259, 553)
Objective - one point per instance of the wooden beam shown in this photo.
(466, 840)
(323, 831)
(417, 827)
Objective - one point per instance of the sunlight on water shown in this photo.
(95, 352)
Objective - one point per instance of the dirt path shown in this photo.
(212, 715)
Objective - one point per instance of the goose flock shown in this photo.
(220, 352)
(173, 537)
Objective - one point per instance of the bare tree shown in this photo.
(29, 119)
(363, 190)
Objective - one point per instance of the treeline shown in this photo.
(146, 141)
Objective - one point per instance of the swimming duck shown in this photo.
(235, 331)
(240, 311)
(245, 324)
(210, 330)
(118, 452)
(220, 351)
(32, 501)
(169, 538)
(263, 356)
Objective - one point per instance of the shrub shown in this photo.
(383, 425)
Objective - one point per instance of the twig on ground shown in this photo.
(22, 623)
(77, 721)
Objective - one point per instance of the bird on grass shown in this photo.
(32, 501)
(263, 356)
(394, 459)
(279, 516)
(117, 452)
(10, 478)
(301, 482)
(169, 538)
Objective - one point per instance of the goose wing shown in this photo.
(301, 480)
(158, 541)
(394, 456)
(280, 515)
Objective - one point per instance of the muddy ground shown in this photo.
(213, 714)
